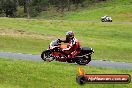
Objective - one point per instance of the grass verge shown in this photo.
(28, 74)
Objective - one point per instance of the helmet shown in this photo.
(69, 35)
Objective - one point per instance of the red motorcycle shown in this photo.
(55, 52)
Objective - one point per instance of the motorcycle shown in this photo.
(106, 19)
(55, 52)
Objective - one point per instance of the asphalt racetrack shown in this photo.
(96, 63)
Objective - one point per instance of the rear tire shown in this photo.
(71, 60)
(83, 60)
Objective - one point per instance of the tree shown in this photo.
(0, 7)
(28, 8)
(33, 7)
(8, 7)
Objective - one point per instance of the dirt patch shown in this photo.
(126, 14)
(22, 33)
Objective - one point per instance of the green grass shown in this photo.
(110, 41)
(119, 10)
(118, 13)
(29, 74)
(23, 45)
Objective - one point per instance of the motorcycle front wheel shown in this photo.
(46, 55)
(102, 20)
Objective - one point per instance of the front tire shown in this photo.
(102, 20)
(46, 54)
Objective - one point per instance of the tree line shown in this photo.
(30, 8)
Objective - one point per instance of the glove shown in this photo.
(59, 40)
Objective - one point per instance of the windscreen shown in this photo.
(54, 43)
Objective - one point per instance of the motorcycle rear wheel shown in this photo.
(83, 60)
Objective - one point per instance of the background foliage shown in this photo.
(31, 8)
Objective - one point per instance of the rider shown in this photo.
(73, 44)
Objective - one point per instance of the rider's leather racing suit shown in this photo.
(73, 47)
